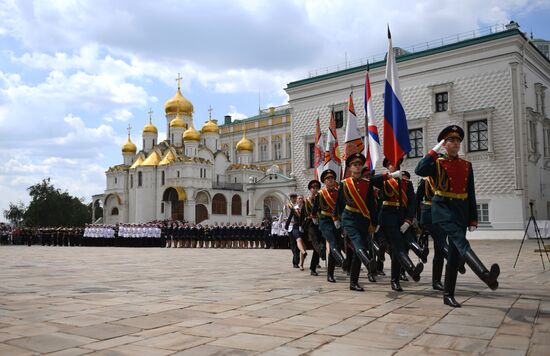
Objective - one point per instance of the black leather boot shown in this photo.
(370, 263)
(395, 273)
(489, 277)
(338, 258)
(422, 253)
(408, 265)
(396, 286)
(449, 290)
(461, 267)
(355, 270)
(436, 274)
(330, 269)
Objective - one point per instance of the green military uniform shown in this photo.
(454, 210)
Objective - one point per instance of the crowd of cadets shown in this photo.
(155, 234)
(367, 216)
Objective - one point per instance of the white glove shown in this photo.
(472, 228)
(377, 228)
(315, 221)
(404, 227)
(439, 147)
(396, 174)
(337, 224)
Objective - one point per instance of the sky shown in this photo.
(74, 74)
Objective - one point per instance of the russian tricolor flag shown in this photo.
(372, 140)
(396, 132)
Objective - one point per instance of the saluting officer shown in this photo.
(454, 208)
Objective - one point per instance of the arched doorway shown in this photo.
(219, 204)
(272, 207)
(174, 197)
(201, 204)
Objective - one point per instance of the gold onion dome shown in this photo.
(150, 128)
(178, 103)
(210, 127)
(129, 146)
(177, 122)
(245, 145)
(191, 134)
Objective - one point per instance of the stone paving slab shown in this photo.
(121, 301)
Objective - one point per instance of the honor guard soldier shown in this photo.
(354, 205)
(323, 209)
(311, 230)
(454, 208)
(289, 207)
(395, 218)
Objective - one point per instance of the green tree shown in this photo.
(15, 213)
(50, 206)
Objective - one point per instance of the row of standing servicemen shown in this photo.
(367, 216)
(165, 234)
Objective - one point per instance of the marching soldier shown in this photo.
(395, 218)
(323, 209)
(354, 206)
(289, 207)
(454, 208)
(311, 230)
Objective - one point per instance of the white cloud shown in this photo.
(235, 115)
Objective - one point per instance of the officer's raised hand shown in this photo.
(439, 147)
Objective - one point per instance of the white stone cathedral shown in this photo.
(188, 177)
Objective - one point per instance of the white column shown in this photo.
(229, 210)
(189, 210)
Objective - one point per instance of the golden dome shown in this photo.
(168, 158)
(245, 145)
(129, 146)
(137, 163)
(178, 103)
(210, 127)
(150, 128)
(177, 122)
(152, 160)
(191, 134)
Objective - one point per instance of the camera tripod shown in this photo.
(538, 235)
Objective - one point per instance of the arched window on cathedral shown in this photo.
(247, 207)
(162, 178)
(236, 205)
(114, 211)
(219, 204)
(140, 179)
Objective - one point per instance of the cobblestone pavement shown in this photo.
(120, 301)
